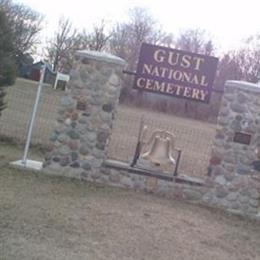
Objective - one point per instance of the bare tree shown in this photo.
(67, 40)
(118, 41)
(243, 64)
(127, 38)
(97, 39)
(249, 59)
(195, 40)
(63, 45)
(25, 25)
(228, 69)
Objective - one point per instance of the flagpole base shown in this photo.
(28, 164)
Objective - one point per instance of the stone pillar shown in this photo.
(85, 118)
(234, 182)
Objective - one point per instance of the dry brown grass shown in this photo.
(56, 218)
(193, 137)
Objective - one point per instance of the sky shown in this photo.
(228, 22)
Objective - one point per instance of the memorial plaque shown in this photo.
(175, 72)
(242, 138)
(81, 105)
(151, 183)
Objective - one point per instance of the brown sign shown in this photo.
(176, 73)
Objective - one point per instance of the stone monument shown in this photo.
(233, 175)
(85, 117)
(78, 144)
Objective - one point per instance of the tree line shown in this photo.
(19, 30)
(23, 25)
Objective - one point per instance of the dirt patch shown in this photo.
(44, 217)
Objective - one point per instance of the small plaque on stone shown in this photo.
(242, 138)
(151, 183)
(81, 105)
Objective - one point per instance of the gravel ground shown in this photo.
(45, 217)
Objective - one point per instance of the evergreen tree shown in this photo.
(7, 64)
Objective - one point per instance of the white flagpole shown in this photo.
(29, 135)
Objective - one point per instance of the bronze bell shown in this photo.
(160, 152)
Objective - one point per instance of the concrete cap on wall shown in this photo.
(243, 85)
(101, 56)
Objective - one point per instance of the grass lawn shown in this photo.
(44, 217)
(20, 101)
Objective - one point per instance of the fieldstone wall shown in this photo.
(78, 144)
(120, 174)
(234, 182)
